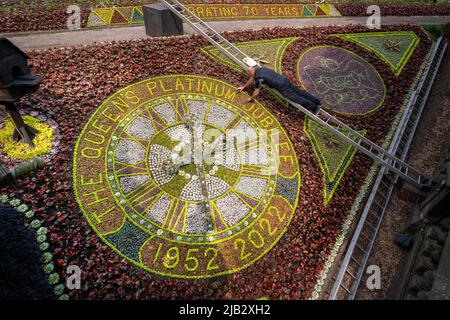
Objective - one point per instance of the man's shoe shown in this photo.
(314, 109)
(317, 110)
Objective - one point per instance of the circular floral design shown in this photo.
(182, 177)
(344, 82)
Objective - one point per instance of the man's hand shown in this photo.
(254, 95)
(240, 89)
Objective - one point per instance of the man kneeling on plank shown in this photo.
(260, 75)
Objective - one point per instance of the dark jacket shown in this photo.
(271, 79)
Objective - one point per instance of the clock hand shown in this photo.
(197, 154)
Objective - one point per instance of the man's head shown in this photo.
(251, 65)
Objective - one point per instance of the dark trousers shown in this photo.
(301, 97)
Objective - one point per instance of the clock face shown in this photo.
(183, 178)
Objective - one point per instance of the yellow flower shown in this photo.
(20, 150)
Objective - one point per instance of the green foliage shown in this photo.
(59, 289)
(41, 238)
(435, 30)
(164, 140)
(227, 175)
(35, 224)
(176, 185)
(49, 268)
(44, 246)
(47, 257)
(51, 4)
(53, 278)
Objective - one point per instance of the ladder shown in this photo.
(343, 131)
(352, 269)
(213, 37)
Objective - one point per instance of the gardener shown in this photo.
(260, 75)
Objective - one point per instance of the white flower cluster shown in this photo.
(196, 220)
(256, 156)
(179, 133)
(157, 155)
(198, 108)
(219, 116)
(129, 152)
(230, 159)
(166, 112)
(232, 208)
(252, 186)
(157, 213)
(193, 191)
(244, 126)
(128, 184)
(141, 128)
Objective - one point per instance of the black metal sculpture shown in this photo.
(16, 81)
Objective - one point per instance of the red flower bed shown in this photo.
(39, 17)
(77, 80)
(38, 20)
(359, 9)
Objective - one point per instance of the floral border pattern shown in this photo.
(331, 180)
(397, 68)
(228, 11)
(121, 218)
(116, 16)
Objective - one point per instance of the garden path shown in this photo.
(48, 39)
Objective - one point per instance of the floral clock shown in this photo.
(182, 177)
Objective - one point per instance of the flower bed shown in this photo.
(160, 223)
(241, 11)
(20, 150)
(78, 80)
(359, 9)
(36, 17)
